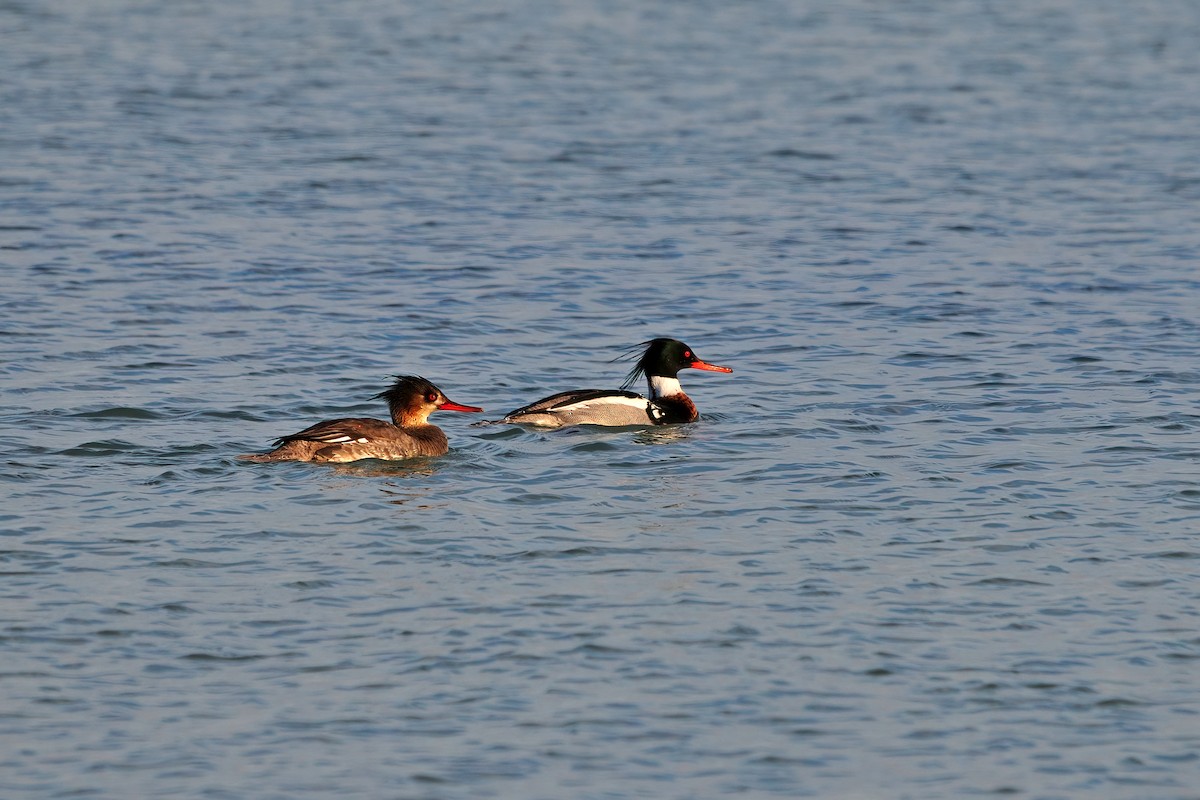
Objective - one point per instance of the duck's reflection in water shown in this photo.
(405, 484)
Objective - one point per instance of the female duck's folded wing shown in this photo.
(343, 440)
(341, 431)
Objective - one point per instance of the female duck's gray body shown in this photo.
(411, 400)
(667, 404)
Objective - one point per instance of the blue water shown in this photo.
(937, 536)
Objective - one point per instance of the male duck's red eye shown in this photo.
(687, 353)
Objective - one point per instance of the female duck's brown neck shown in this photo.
(409, 417)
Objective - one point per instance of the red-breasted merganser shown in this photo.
(411, 400)
(667, 404)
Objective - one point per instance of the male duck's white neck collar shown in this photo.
(663, 387)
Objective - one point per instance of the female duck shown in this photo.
(411, 400)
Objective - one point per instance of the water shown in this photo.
(936, 537)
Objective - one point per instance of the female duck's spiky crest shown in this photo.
(403, 390)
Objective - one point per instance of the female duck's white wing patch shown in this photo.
(344, 438)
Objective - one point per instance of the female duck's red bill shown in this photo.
(709, 367)
(450, 405)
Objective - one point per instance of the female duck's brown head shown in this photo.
(411, 399)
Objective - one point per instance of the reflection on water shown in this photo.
(662, 435)
(373, 468)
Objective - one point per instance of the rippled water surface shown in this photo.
(935, 537)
